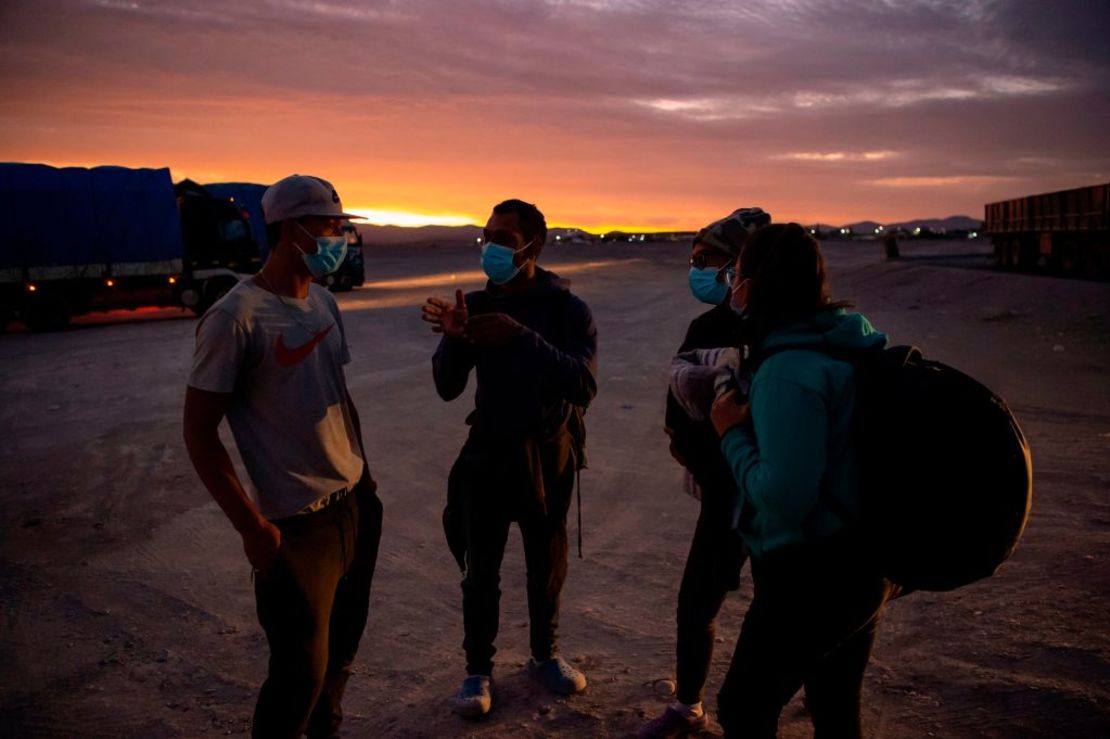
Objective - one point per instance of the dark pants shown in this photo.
(493, 491)
(312, 605)
(812, 620)
(712, 570)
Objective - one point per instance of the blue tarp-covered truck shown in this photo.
(247, 196)
(78, 240)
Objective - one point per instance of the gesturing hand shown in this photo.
(446, 319)
(727, 413)
(492, 329)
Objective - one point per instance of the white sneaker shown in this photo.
(475, 696)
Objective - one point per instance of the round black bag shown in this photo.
(945, 471)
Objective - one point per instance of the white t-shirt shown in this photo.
(282, 360)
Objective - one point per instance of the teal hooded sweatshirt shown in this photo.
(795, 465)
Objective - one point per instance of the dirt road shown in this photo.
(127, 605)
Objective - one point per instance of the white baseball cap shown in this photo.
(301, 195)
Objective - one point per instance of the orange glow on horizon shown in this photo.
(442, 195)
(461, 193)
(619, 132)
(408, 218)
(413, 219)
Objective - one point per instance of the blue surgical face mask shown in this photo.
(330, 253)
(497, 262)
(706, 287)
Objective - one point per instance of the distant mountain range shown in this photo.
(458, 235)
(951, 223)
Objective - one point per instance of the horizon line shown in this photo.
(605, 229)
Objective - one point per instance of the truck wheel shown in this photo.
(46, 314)
(1092, 263)
(1028, 256)
(1007, 253)
(1065, 259)
(210, 292)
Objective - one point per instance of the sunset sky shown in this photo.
(652, 114)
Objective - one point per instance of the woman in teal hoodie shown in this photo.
(818, 595)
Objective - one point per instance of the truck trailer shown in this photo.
(1065, 232)
(80, 240)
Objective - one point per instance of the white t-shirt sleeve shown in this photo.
(220, 352)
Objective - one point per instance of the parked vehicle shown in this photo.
(1066, 232)
(80, 240)
(352, 272)
(247, 198)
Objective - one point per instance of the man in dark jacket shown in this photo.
(716, 552)
(533, 347)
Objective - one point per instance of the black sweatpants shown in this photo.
(312, 605)
(812, 620)
(493, 491)
(712, 570)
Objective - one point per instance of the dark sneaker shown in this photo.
(475, 697)
(557, 676)
(671, 724)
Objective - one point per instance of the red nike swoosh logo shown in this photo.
(288, 356)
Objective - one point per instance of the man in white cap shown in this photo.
(269, 356)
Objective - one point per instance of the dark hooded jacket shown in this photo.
(526, 429)
(796, 464)
(530, 386)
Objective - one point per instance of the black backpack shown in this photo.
(946, 477)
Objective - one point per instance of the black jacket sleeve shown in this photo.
(451, 365)
(570, 372)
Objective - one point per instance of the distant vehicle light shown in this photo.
(32, 288)
(110, 283)
(173, 280)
